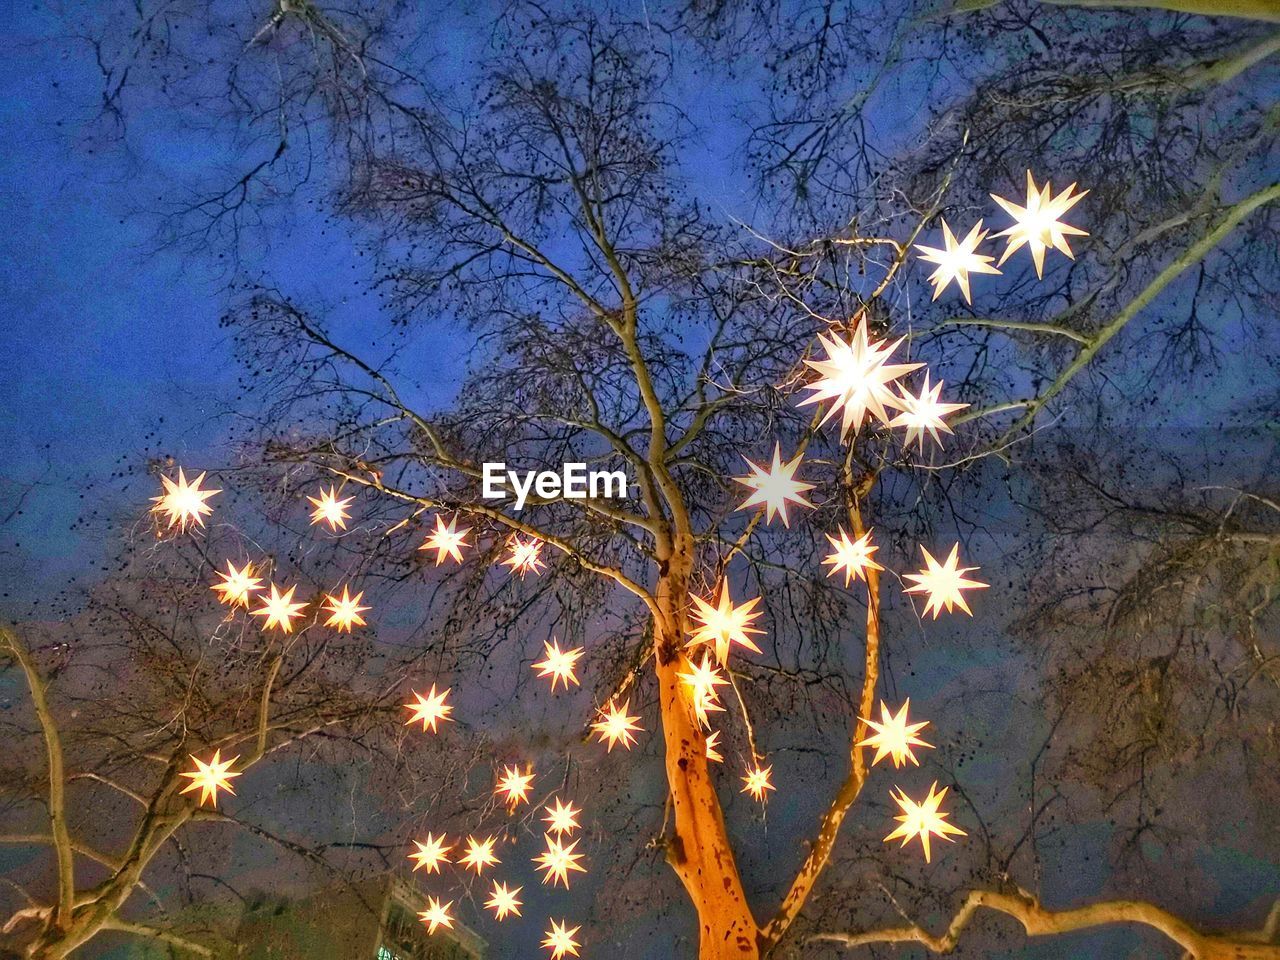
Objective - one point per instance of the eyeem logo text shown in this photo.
(573, 482)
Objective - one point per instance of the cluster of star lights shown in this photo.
(860, 385)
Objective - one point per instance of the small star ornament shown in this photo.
(525, 556)
(430, 709)
(331, 510)
(210, 777)
(1038, 225)
(724, 623)
(559, 665)
(557, 861)
(183, 503)
(436, 915)
(237, 586)
(756, 782)
(504, 901)
(447, 540)
(856, 378)
(614, 726)
(894, 736)
(561, 818)
(479, 854)
(279, 610)
(430, 853)
(560, 940)
(709, 748)
(701, 681)
(851, 556)
(944, 583)
(923, 820)
(514, 786)
(776, 487)
(956, 260)
(922, 414)
(344, 611)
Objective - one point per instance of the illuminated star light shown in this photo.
(561, 818)
(430, 709)
(344, 612)
(183, 502)
(776, 487)
(702, 681)
(210, 777)
(943, 583)
(756, 782)
(851, 556)
(557, 860)
(923, 413)
(447, 541)
(894, 736)
(559, 664)
(526, 556)
(280, 610)
(479, 854)
(922, 820)
(725, 624)
(856, 377)
(431, 853)
(503, 901)
(957, 260)
(560, 940)
(329, 509)
(237, 585)
(1039, 224)
(515, 785)
(436, 915)
(616, 727)
(709, 748)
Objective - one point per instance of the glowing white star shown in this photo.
(776, 487)
(430, 853)
(436, 915)
(702, 681)
(183, 502)
(756, 782)
(447, 541)
(856, 377)
(280, 610)
(560, 940)
(923, 819)
(559, 664)
(1039, 224)
(237, 585)
(561, 818)
(851, 556)
(923, 413)
(344, 611)
(558, 860)
(957, 260)
(526, 556)
(724, 624)
(210, 777)
(515, 785)
(430, 709)
(503, 901)
(894, 736)
(614, 726)
(709, 748)
(479, 854)
(943, 582)
(329, 509)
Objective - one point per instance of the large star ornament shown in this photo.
(923, 820)
(776, 487)
(894, 736)
(1039, 224)
(210, 777)
(724, 624)
(279, 610)
(560, 940)
(504, 901)
(851, 556)
(957, 260)
(436, 915)
(183, 503)
(430, 709)
(943, 582)
(430, 853)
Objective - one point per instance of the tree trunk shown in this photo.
(699, 851)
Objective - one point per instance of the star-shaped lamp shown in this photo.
(923, 412)
(430, 709)
(561, 818)
(776, 487)
(237, 585)
(724, 623)
(1039, 224)
(956, 260)
(894, 736)
(279, 610)
(756, 782)
(856, 377)
(943, 582)
(923, 820)
(447, 540)
(851, 556)
(504, 901)
(210, 777)
(436, 915)
(559, 664)
(702, 681)
(430, 853)
(525, 556)
(183, 503)
(331, 510)
(479, 854)
(709, 747)
(514, 786)
(614, 726)
(558, 860)
(344, 611)
(560, 940)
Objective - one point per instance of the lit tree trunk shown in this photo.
(699, 851)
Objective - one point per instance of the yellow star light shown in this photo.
(725, 624)
(713, 741)
(526, 556)
(1039, 224)
(943, 583)
(702, 681)
(515, 785)
(447, 541)
(957, 260)
(279, 610)
(851, 556)
(616, 727)
(344, 611)
(559, 664)
(430, 853)
(560, 940)
(561, 818)
(430, 709)
(776, 487)
(856, 377)
(922, 820)
(479, 854)
(183, 502)
(557, 860)
(756, 782)
(329, 509)
(894, 736)
(503, 901)
(436, 915)
(923, 413)
(210, 777)
(236, 585)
